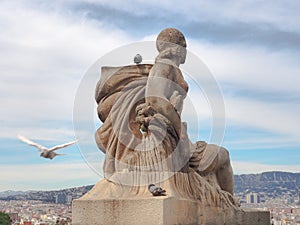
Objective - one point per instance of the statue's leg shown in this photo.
(224, 171)
(215, 163)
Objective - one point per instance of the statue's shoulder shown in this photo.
(113, 79)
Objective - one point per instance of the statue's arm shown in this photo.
(159, 90)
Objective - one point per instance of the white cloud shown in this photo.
(251, 67)
(40, 133)
(43, 58)
(278, 14)
(256, 72)
(46, 176)
(255, 142)
(251, 167)
(274, 117)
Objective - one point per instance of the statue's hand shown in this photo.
(144, 114)
(144, 122)
(145, 110)
(177, 101)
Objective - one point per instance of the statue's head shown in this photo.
(173, 40)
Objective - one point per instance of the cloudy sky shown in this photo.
(251, 48)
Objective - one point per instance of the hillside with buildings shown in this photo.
(277, 192)
(265, 185)
(57, 196)
(268, 185)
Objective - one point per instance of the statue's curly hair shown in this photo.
(170, 43)
(170, 37)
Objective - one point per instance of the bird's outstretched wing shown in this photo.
(62, 146)
(27, 141)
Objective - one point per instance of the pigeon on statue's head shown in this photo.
(137, 59)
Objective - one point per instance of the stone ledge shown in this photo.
(160, 211)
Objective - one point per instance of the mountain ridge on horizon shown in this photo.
(253, 182)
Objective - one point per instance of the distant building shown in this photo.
(60, 199)
(69, 199)
(14, 216)
(252, 198)
(27, 223)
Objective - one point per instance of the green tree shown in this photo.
(4, 219)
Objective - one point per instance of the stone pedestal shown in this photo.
(160, 211)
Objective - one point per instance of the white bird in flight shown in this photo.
(46, 152)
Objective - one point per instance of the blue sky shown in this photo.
(252, 48)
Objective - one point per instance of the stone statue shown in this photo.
(147, 145)
(142, 132)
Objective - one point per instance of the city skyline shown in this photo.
(251, 50)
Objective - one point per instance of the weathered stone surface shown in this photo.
(160, 211)
(142, 131)
(146, 142)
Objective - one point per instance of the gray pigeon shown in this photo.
(156, 191)
(137, 59)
